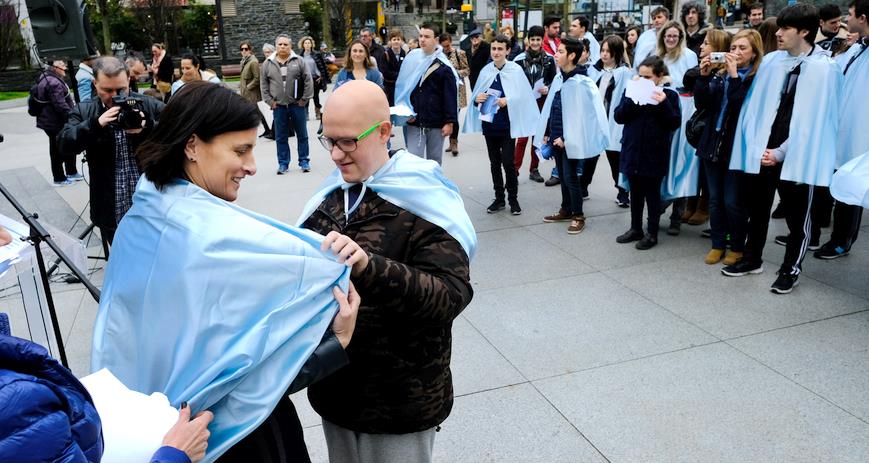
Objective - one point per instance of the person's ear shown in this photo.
(385, 131)
(190, 148)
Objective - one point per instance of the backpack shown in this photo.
(35, 104)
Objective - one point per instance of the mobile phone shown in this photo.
(717, 57)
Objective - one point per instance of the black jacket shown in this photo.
(82, 132)
(647, 135)
(715, 146)
(52, 88)
(538, 67)
(435, 100)
(322, 69)
(477, 61)
(377, 51)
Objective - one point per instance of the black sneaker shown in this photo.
(585, 193)
(514, 207)
(629, 236)
(742, 268)
(534, 176)
(496, 206)
(779, 212)
(553, 181)
(707, 233)
(831, 251)
(622, 199)
(785, 283)
(814, 244)
(648, 242)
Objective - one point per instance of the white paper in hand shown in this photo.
(640, 91)
(134, 424)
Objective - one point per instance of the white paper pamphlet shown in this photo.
(641, 90)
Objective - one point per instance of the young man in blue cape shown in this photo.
(786, 131)
(853, 138)
(515, 116)
(427, 84)
(407, 224)
(579, 30)
(648, 40)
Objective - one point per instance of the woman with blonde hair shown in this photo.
(515, 46)
(672, 48)
(720, 91)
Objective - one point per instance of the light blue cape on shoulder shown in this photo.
(851, 182)
(620, 77)
(416, 185)
(586, 129)
(678, 68)
(520, 100)
(811, 154)
(412, 69)
(853, 135)
(212, 304)
(645, 46)
(684, 170)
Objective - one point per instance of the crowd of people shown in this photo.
(356, 302)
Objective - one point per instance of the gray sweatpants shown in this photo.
(424, 142)
(346, 446)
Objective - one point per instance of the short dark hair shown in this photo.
(756, 6)
(444, 37)
(656, 64)
(696, 6)
(658, 10)
(574, 46)
(583, 21)
(199, 108)
(802, 17)
(829, 11)
(501, 38)
(436, 31)
(547, 21)
(536, 31)
(861, 8)
(109, 66)
(194, 60)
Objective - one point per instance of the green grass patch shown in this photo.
(13, 95)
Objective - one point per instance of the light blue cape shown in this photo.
(645, 46)
(586, 130)
(853, 135)
(684, 170)
(678, 68)
(412, 69)
(620, 77)
(851, 182)
(520, 100)
(811, 153)
(212, 304)
(593, 48)
(416, 185)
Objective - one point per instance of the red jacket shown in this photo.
(547, 45)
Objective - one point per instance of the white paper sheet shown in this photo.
(641, 90)
(536, 89)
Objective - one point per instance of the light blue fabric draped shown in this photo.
(593, 48)
(416, 185)
(586, 130)
(645, 46)
(520, 100)
(851, 182)
(686, 61)
(853, 137)
(212, 304)
(811, 154)
(684, 170)
(620, 77)
(412, 69)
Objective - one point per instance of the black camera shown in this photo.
(132, 111)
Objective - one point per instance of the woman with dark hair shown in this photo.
(767, 30)
(358, 65)
(631, 37)
(317, 65)
(214, 305)
(193, 69)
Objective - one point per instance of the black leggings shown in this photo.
(648, 190)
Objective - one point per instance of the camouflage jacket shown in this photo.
(417, 281)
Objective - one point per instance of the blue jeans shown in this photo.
(724, 210)
(297, 116)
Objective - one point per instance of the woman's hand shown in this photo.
(730, 65)
(190, 436)
(659, 96)
(502, 102)
(5, 237)
(481, 97)
(768, 159)
(705, 66)
(347, 251)
(345, 320)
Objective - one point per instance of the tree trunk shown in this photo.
(107, 35)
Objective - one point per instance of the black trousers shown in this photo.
(263, 120)
(590, 165)
(799, 219)
(58, 161)
(501, 150)
(756, 198)
(454, 136)
(648, 190)
(846, 224)
(279, 439)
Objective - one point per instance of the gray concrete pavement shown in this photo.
(576, 348)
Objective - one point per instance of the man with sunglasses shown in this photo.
(402, 227)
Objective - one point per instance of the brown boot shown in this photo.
(690, 208)
(701, 215)
(318, 113)
(454, 147)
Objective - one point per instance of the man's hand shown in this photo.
(111, 115)
(559, 142)
(502, 102)
(768, 159)
(447, 129)
(482, 97)
(544, 90)
(190, 436)
(347, 251)
(274, 105)
(345, 319)
(301, 103)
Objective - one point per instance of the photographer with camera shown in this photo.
(110, 128)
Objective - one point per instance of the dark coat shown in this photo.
(390, 69)
(478, 60)
(647, 135)
(322, 69)
(716, 146)
(82, 132)
(436, 100)
(417, 282)
(377, 51)
(52, 88)
(47, 415)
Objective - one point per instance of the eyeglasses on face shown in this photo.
(347, 145)
(245, 49)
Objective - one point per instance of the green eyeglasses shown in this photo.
(347, 145)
